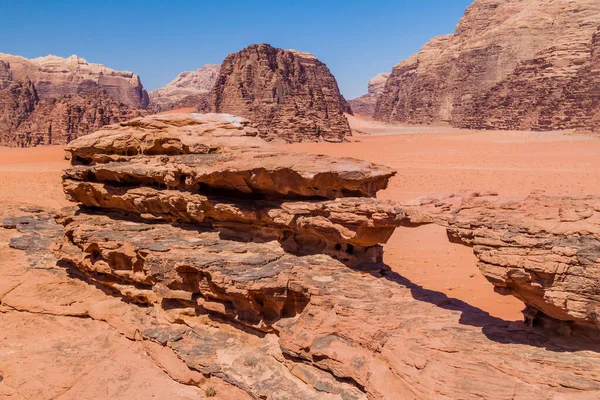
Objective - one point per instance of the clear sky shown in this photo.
(157, 39)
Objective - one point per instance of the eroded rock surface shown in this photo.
(543, 250)
(51, 100)
(290, 96)
(365, 105)
(188, 89)
(55, 77)
(207, 285)
(508, 65)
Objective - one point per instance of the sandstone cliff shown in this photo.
(189, 89)
(512, 54)
(53, 100)
(26, 120)
(55, 77)
(289, 95)
(365, 105)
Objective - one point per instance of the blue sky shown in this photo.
(158, 39)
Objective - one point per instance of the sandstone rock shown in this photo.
(365, 105)
(188, 89)
(289, 95)
(519, 55)
(558, 89)
(28, 121)
(215, 153)
(385, 336)
(222, 291)
(51, 100)
(544, 250)
(55, 77)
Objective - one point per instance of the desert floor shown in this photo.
(428, 160)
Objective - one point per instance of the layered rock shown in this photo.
(55, 77)
(26, 120)
(188, 89)
(517, 55)
(544, 250)
(51, 100)
(289, 95)
(249, 283)
(365, 105)
(558, 89)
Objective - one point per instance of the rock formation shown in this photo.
(365, 105)
(51, 100)
(265, 285)
(189, 89)
(289, 95)
(55, 77)
(544, 250)
(509, 65)
(28, 121)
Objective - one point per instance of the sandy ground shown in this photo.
(32, 176)
(428, 160)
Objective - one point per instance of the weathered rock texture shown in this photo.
(365, 105)
(27, 121)
(544, 250)
(189, 89)
(509, 65)
(51, 100)
(250, 284)
(289, 95)
(55, 77)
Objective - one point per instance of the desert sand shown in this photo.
(445, 160)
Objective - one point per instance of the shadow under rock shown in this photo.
(494, 328)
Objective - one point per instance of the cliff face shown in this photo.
(52, 100)
(54, 77)
(456, 77)
(365, 105)
(26, 120)
(540, 95)
(189, 89)
(289, 95)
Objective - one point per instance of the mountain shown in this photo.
(291, 96)
(55, 76)
(53, 100)
(188, 89)
(509, 65)
(365, 105)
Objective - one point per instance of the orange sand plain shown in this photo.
(512, 163)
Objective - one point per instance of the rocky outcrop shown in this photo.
(26, 120)
(544, 250)
(188, 89)
(289, 95)
(55, 77)
(250, 284)
(51, 100)
(365, 105)
(509, 65)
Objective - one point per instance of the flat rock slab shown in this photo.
(216, 151)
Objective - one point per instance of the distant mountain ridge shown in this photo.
(186, 90)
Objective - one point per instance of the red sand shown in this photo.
(512, 163)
